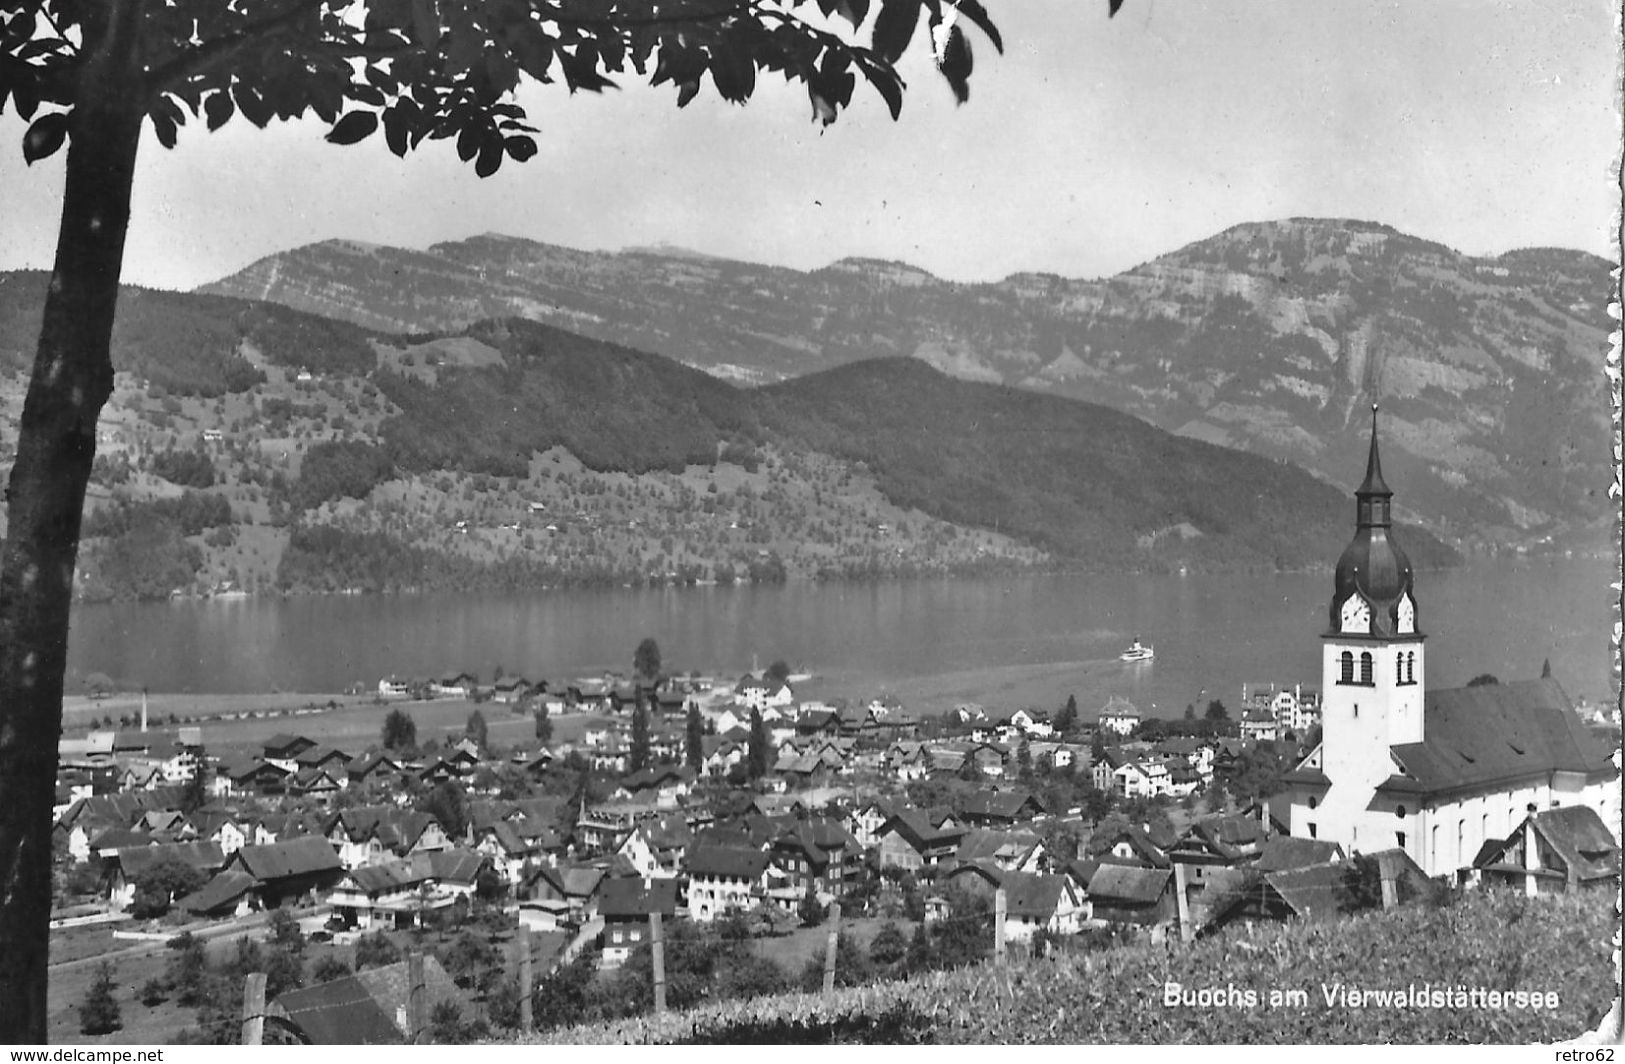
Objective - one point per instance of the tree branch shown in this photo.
(45, 11)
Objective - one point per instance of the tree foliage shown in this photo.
(756, 753)
(400, 732)
(91, 77)
(694, 739)
(99, 1011)
(637, 757)
(477, 729)
(646, 659)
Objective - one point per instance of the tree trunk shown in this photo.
(72, 378)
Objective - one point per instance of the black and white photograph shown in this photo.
(817, 522)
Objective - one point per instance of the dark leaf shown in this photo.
(1112, 7)
(955, 63)
(395, 130)
(25, 99)
(894, 27)
(889, 85)
(468, 143)
(218, 109)
(164, 128)
(973, 10)
(686, 92)
(854, 11)
(520, 148)
(734, 73)
(45, 136)
(252, 105)
(354, 126)
(490, 158)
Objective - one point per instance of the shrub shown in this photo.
(99, 1012)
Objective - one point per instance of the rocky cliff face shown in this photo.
(1272, 337)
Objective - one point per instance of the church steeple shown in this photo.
(1373, 594)
(1372, 497)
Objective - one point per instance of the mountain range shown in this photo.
(1270, 337)
(250, 446)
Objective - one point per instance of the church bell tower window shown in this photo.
(1346, 663)
(1366, 668)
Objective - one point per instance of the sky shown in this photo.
(1089, 146)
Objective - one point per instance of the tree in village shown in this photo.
(1216, 711)
(694, 739)
(447, 803)
(646, 660)
(99, 1011)
(91, 76)
(400, 732)
(638, 757)
(196, 795)
(477, 729)
(756, 757)
(1066, 718)
(544, 726)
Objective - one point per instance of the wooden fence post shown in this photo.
(254, 1009)
(1390, 890)
(830, 947)
(1000, 904)
(416, 1021)
(658, 947)
(525, 1017)
(1187, 930)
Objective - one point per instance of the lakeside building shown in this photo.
(1437, 774)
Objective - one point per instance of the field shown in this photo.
(1556, 947)
(235, 724)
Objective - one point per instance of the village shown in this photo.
(717, 804)
(541, 882)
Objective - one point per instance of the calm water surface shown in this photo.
(1211, 633)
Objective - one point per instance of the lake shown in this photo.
(1029, 639)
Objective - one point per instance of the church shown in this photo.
(1438, 773)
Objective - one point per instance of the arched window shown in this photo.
(1347, 660)
(1365, 667)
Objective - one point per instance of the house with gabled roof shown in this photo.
(819, 854)
(913, 839)
(284, 871)
(625, 906)
(1219, 841)
(1554, 851)
(1132, 894)
(999, 807)
(398, 893)
(1039, 901)
(1119, 717)
(656, 845)
(1009, 851)
(369, 1007)
(721, 878)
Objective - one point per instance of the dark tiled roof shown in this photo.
(224, 889)
(1577, 835)
(1119, 883)
(361, 1009)
(734, 862)
(1282, 852)
(1315, 892)
(629, 898)
(204, 856)
(1474, 736)
(296, 857)
(1032, 895)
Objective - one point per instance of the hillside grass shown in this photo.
(1493, 940)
